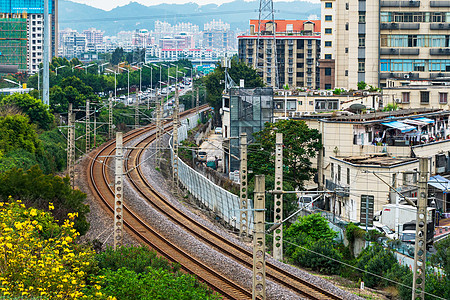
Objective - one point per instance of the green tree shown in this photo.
(361, 85)
(17, 132)
(214, 82)
(442, 255)
(300, 145)
(36, 189)
(34, 108)
(117, 56)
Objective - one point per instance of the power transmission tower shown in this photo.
(266, 21)
(420, 254)
(118, 187)
(278, 206)
(243, 227)
(259, 240)
(71, 146)
(88, 128)
(175, 138)
(110, 120)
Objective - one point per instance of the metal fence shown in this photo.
(224, 204)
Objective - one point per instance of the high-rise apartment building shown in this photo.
(373, 41)
(217, 35)
(298, 51)
(25, 47)
(93, 36)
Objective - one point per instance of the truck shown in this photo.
(408, 234)
(407, 215)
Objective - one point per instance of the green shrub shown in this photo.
(318, 259)
(135, 259)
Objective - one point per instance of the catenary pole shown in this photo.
(243, 227)
(259, 240)
(278, 205)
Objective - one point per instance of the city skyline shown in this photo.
(109, 5)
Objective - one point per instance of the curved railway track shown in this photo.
(99, 183)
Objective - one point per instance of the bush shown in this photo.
(40, 258)
(38, 190)
(377, 260)
(318, 258)
(154, 284)
(135, 259)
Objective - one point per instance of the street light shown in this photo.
(115, 82)
(98, 67)
(85, 67)
(151, 81)
(76, 67)
(128, 80)
(10, 81)
(140, 76)
(160, 71)
(56, 70)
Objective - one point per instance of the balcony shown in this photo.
(440, 26)
(440, 51)
(400, 3)
(439, 3)
(385, 75)
(402, 26)
(341, 191)
(394, 51)
(439, 75)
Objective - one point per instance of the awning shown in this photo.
(440, 183)
(400, 126)
(426, 120)
(414, 122)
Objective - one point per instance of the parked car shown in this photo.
(202, 156)
(307, 201)
(218, 130)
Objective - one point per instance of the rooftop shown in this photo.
(378, 160)
(297, 25)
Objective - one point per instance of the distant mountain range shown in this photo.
(137, 16)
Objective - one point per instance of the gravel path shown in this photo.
(101, 229)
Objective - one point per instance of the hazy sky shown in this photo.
(108, 4)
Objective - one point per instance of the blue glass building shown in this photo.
(21, 6)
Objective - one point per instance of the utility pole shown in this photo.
(243, 228)
(95, 126)
(175, 139)
(158, 132)
(88, 128)
(110, 120)
(71, 146)
(118, 187)
(420, 254)
(278, 205)
(136, 112)
(46, 54)
(198, 100)
(259, 240)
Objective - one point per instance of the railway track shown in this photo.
(99, 183)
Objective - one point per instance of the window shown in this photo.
(328, 43)
(300, 74)
(332, 171)
(328, 18)
(362, 40)
(299, 65)
(405, 97)
(346, 72)
(443, 98)
(300, 55)
(362, 17)
(346, 6)
(328, 4)
(361, 65)
(346, 26)
(328, 86)
(339, 173)
(424, 97)
(348, 175)
(328, 30)
(346, 50)
(327, 71)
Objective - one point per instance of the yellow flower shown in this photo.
(33, 212)
(50, 206)
(8, 245)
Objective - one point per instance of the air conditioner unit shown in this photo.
(406, 76)
(365, 93)
(323, 93)
(329, 93)
(306, 113)
(398, 100)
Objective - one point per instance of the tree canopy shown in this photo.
(34, 108)
(300, 144)
(16, 132)
(214, 82)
